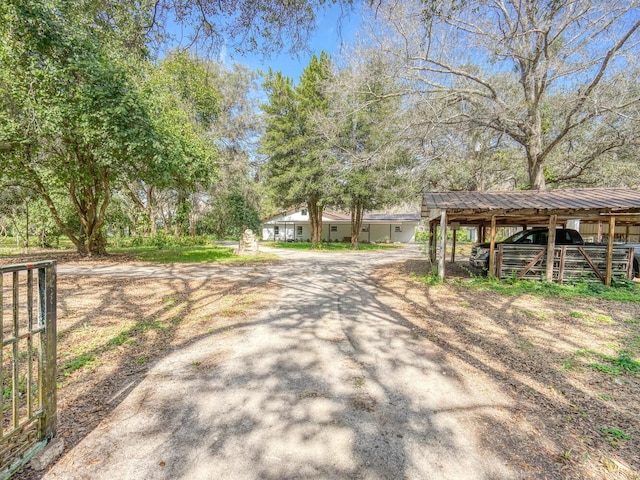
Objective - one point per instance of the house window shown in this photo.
(365, 229)
(398, 228)
(299, 230)
(304, 212)
(334, 228)
(276, 230)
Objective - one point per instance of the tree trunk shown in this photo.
(356, 223)
(151, 212)
(531, 79)
(315, 215)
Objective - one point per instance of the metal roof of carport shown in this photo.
(531, 206)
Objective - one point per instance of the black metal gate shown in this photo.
(27, 361)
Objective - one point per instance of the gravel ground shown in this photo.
(326, 383)
(344, 367)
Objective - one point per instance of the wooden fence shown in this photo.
(27, 361)
(571, 263)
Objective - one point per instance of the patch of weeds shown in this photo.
(119, 339)
(609, 465)
(84, 360)
(622, 364)
(524, 345)
(569, 364)
(169, 300)
(195, 363)
(464, 304)
(604, 318)
(603, 396)
(620, 291)
(566, 455)
(431, 278)
(614, 435)
(358, 382)
(176, 320)
(575, 314)
(126, 336)
(142, 360)
(632, 321)
(584, 352)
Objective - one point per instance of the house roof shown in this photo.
(532, 206)
(392, 217)
(373, 217)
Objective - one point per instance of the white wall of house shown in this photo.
(335, 231)
(295, 226)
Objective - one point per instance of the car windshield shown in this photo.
(516, 236)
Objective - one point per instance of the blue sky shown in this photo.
(329, 36)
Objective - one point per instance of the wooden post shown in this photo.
(453, 247)
(492, 247)
(443, 243)
(551, 247)
(432, 241)
(612, 229)
(563, 257)
(47, 316)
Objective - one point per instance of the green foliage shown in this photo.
(624, 292)
(189, 254)
(233, 217)
(431, 278)
(299, 166)
(619, 365)
(162, 240)
(85, 111)
(81, 361)
(614, 435)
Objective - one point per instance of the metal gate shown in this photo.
(27, 361)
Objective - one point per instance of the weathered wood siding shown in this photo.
(571, 262)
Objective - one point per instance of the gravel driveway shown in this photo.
(328, 383)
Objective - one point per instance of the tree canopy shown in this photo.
(554, 77)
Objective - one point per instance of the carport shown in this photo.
(606, 207)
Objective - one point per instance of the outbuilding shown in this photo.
(598, 210)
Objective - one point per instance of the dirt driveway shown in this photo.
(327, 383)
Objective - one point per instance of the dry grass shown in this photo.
(111, 330)
(573, 420)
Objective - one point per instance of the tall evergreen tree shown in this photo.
(299, 166)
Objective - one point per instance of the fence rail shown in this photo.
(27, 361)
(570, 262)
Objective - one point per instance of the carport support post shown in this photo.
(453, 247)
(443, 243)
(551, 247)
(612, 231)
(492, 247)
(432, 241)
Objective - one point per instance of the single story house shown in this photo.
(294, 225)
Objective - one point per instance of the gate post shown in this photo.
(48, 318)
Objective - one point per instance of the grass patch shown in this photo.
(84, 360)
(358, 382)
(190, 254)
(614, 435)
(431, 278)
(331, 247)
(620, 365)
(623, 291)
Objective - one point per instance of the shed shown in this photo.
(487, 210)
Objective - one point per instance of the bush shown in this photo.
(162, 241)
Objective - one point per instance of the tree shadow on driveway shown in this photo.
(328, 383)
